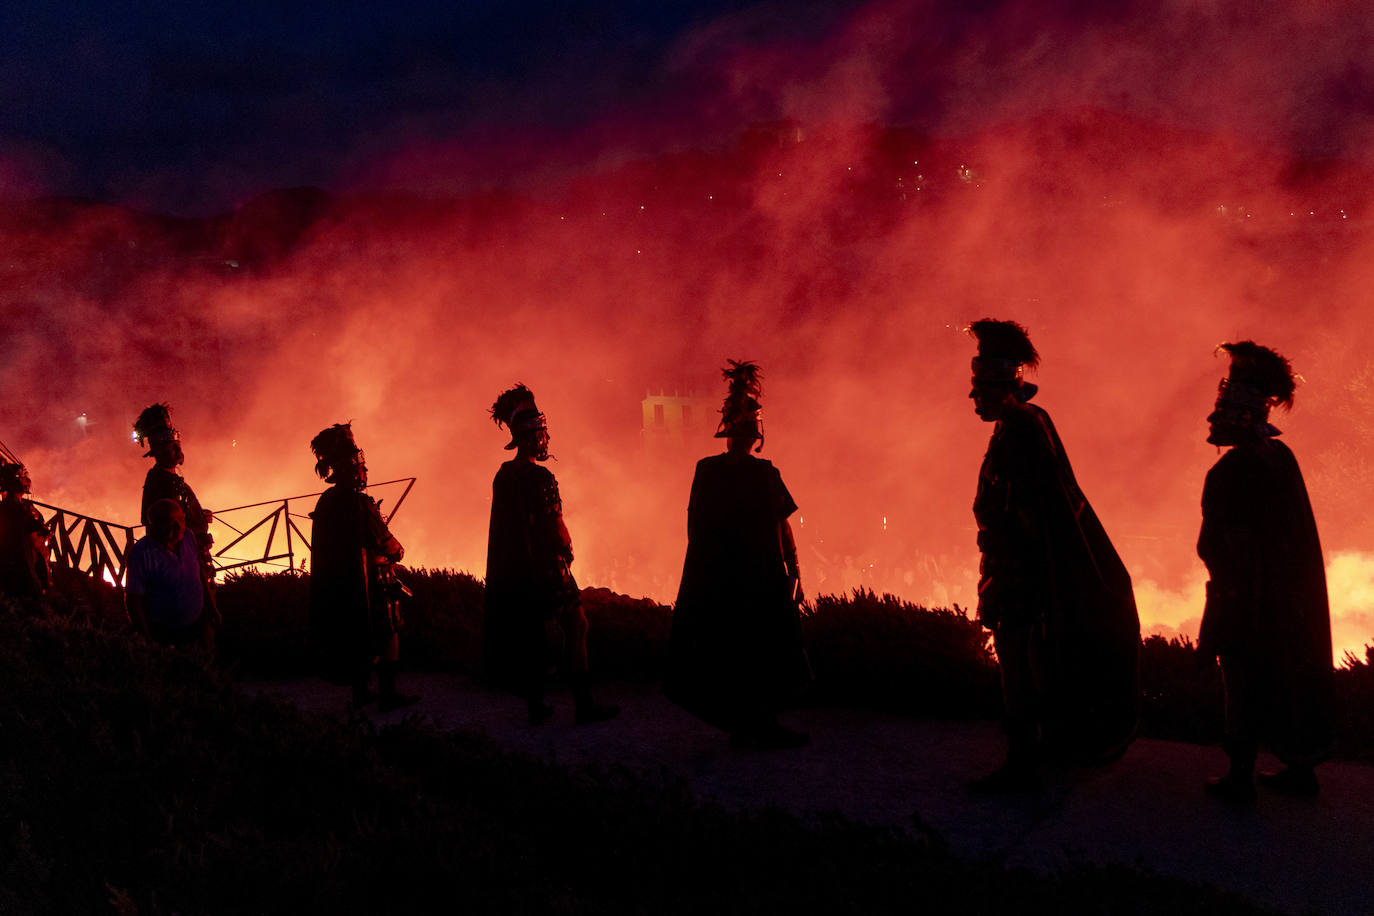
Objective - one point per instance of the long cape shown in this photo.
(528, 580)
(735, 650)
(1267, 601)
(1091, 663)
(345, 618)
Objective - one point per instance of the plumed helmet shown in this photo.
(154, 426)
(1258, 380)
(515, 409)
(741, 414)
(13, 477)
(1004, 352)
(334, 448)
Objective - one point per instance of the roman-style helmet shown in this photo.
(515, 409)
(154, 427)
(334, 450)
(1004, 352)
(1259, 379)
(741, 414)
(14, 478)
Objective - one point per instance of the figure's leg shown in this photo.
(1291, 740)
(1018, 656)
(574, 624)
(387, 668)
(1241, 741)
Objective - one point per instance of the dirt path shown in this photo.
(1146, 810)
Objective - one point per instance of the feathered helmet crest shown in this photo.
(740, 415)
(1004, 352)
(334, 448)
(14, 477)
(515, 409)
(154, 427)
(1259, 379)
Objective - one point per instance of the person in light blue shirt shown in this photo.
(163, 587)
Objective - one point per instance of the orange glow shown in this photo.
(1128, 244)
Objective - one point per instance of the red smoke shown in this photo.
(1135, 189)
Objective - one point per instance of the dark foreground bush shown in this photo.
(890, 654)
(133, 780)
(866, 650)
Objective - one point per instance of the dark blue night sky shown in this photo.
(187, 106)
(191, 107)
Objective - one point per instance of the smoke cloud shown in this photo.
(1134, 185)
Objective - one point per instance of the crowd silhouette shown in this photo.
(1052, 589)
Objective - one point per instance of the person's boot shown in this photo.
(1237, 787)
(537, 711)
(588, 710)
(389, 699)
(1021, 771)
(1293, 781)
(362, 694)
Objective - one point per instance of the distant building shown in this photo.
(674, 419)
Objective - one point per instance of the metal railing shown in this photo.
(90, 545)
(282, 534)
(100, 548)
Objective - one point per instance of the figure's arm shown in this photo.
(134, 604)
(382, 544)
(1013, 525)
(548, 520)
(563, 537)
(789, 557)
(1226, 545)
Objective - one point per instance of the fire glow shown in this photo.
(801, 245)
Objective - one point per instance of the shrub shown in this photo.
(891, 654)
(135, 780)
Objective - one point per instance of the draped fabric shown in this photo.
(735, 651)
(350, 612)
(1047, 561)
(1267, 608)
(23, 563)
(529, 580)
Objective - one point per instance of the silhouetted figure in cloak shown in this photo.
(24, 571)
(735, 654)
(1267, 616)
(529, 579)
(164, 481)
(1051, 587)
(355, 607)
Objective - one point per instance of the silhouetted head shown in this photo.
(338, 458)
(1259, 379)
(741, 416)
(1004, 352)
(154, 428)
(14, 480)
(167, 522)
(529, 429)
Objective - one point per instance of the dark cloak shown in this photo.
(1266, 601)
(23, 566)
(350, 612)
(735, 651)
(1040, 537)
(163, 483)
(529, 581)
